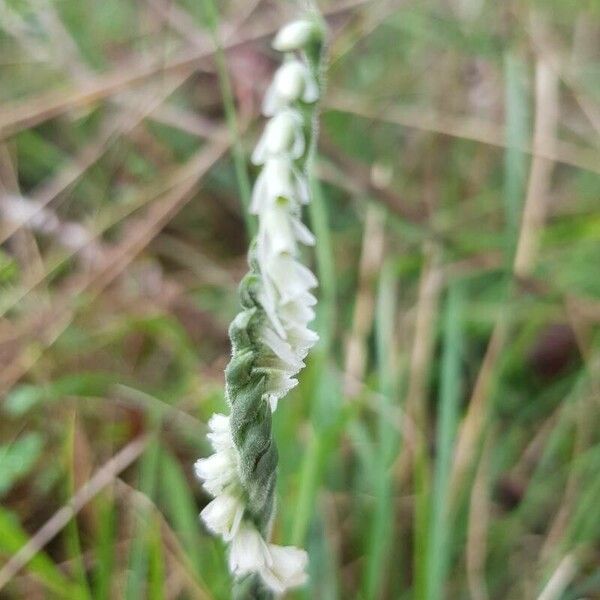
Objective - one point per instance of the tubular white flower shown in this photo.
(292, 82)
(282, 137)
(287, 568)
(295, 35)
(280, 567)
(278, 179)
(220, 434)
(223, 515)
(248, 553)
(218, 471)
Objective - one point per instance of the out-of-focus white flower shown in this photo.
(220, 432)
(218, 471)
(282, 350)
(223, 515)
(292, 82)
(280, 567)
(282, 136)
(295, 35)
(287, 568)
(278, 179)
(291, 278)
(248, 553)
(276, 235)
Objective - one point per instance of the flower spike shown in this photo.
(270, 337)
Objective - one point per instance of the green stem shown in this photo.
(439, 524)
(239, 155)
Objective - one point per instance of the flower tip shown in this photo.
(296, 35)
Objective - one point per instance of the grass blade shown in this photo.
(438, 548)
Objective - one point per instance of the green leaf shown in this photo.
(17, 459)
(13, 538)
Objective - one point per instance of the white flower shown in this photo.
(218, 471)
(280, 567)
(282, 350)
(220, 432)
(287, 568)
(282, 136)
(276, 235)
(295, 35)
(292, 82)
(291, 278)
(223, 515)
(278, 179)
(248, 553)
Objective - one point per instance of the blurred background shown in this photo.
(444, 441)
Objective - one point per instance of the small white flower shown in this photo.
(281, 381)
(292, 82)
(268, 300)
(276, 234)
(220, 432)
(296, 314)
(282, 136)
(282, 350)
(295, 35)
(287, 568)
(278, 179)
(302, 233)
(218, 471)
(248, 553)
(223, 515)
(290, 277)
(280, 567)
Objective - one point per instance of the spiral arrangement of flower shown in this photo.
(270, 337)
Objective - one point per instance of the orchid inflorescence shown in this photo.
(270, 336)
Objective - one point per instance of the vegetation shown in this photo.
(443, 441)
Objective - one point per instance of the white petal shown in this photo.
(283, 135)
(287, 569)
(294, 35)
(272, 102)
(219, 423)
(259, 155)
(296, 313)
(220, 434)
(248, 553)
(303, 233)
(276, 226)
(311, 89)
(217, 471)
(307, 299)
(259, 194)
(290, 277)
(290, 80)
(267, 300)
(280, 382)
(277, 174)
(223, 515)
(281, 348)
(302, 340)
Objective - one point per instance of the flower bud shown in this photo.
(295, 35)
